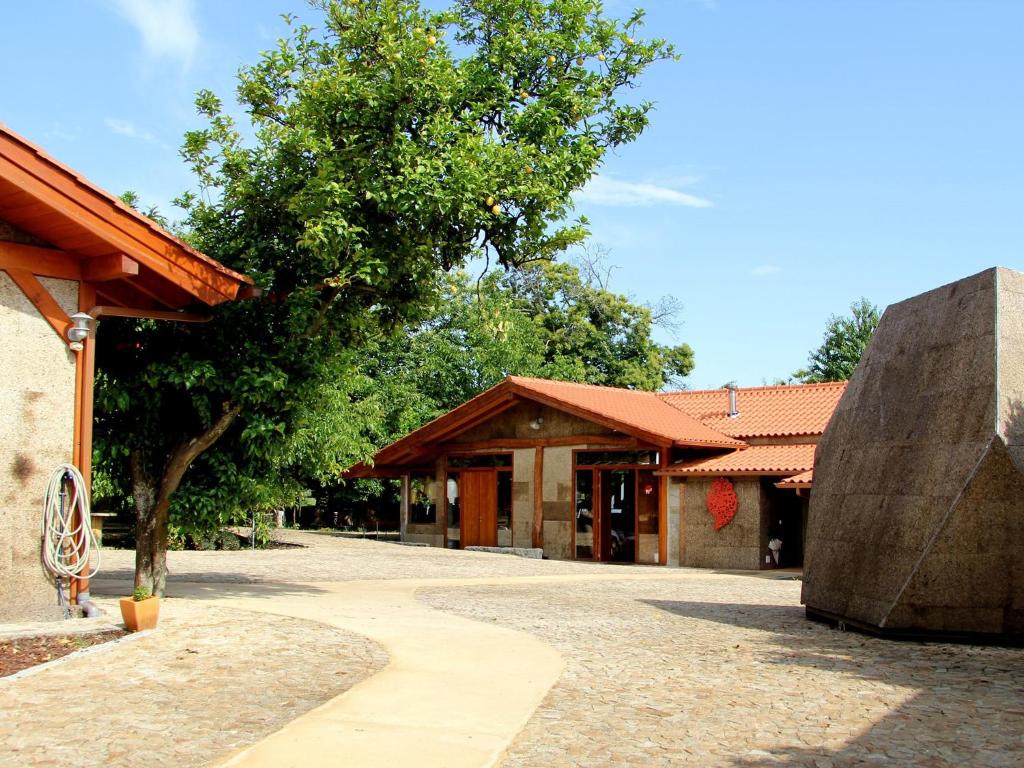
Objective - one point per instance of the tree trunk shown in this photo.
(153, 502)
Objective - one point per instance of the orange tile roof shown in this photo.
(629, 410)
(47, 199)
(803, 480)
(781, 411)
(755, 460)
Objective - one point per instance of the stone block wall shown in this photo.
(37, 407)
(916, 522)
(557, 499)
(522, 497)
(739, 545)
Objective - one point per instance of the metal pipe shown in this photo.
(733, 406)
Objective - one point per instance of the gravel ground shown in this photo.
(719, 670)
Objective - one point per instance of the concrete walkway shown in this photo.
(455, 692)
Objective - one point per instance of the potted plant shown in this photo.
(140, 611)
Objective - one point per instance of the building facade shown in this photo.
(67, 247)
(615, 475)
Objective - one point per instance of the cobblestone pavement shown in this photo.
(208, 681)
(717, 670)
(688, 668)
(333, 559)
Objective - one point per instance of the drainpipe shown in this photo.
(733, 408)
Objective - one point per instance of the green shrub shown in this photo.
(227, 540)
(141, 593)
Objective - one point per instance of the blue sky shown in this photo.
(802, 154)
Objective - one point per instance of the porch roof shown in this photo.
(639, 414)
(98, 239)
(798, 482)
(771, 460)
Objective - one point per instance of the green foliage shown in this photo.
(377, 155)
(141, 593)
(543, 320)
(845, 340)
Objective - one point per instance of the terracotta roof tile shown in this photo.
(800, 409)
(755, 460)
(627, 409)
(803, 480)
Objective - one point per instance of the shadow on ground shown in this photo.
(207, 586)
(968, 708)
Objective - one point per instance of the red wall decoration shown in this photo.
(722, 502)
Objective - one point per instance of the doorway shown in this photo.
(618, 515)
(479, 508)
(616, 507)
(479, 501)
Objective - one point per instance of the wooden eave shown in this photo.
(98, 239)
(436, 436)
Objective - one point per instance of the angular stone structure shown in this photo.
(916, 522)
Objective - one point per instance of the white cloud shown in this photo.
(168, 27)
(132, 131)
(766, 269)
(58, 131)
(604, 190)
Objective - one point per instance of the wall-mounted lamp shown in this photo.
(536, 423)
(79, 330)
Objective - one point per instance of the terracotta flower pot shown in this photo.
(140, 614)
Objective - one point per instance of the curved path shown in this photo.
(454, 693)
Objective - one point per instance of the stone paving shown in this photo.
(688, 668)
(716, 670)
(208, 681)
(332, 559)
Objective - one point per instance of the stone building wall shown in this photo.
(738, 545)
(37, 407)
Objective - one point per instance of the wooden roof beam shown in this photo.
(106, 268)
(47, 262)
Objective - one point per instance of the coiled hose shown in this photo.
(69, 544)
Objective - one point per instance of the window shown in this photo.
(504, 509)
(422, 503)
(584, 514)
(480, 461)
(452, 496)
(603, 458)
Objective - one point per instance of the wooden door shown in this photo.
(479, 501)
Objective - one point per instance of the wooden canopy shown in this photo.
(77, 231)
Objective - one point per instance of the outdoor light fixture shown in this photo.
(535, 424)
(79, 330)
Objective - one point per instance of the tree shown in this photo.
(377, 155)
(845, 340)
(544, 320)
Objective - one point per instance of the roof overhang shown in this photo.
(99, 240)
(417, 447)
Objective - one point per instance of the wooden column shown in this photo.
(85, 375)
(538, 497)
(403, 509)
(663, 486)
(85, 372)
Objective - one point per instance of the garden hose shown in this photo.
(69, 543)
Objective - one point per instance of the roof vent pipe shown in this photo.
(733, 410)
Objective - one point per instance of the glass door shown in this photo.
(618, 513)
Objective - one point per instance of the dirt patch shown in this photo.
(25, 652)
